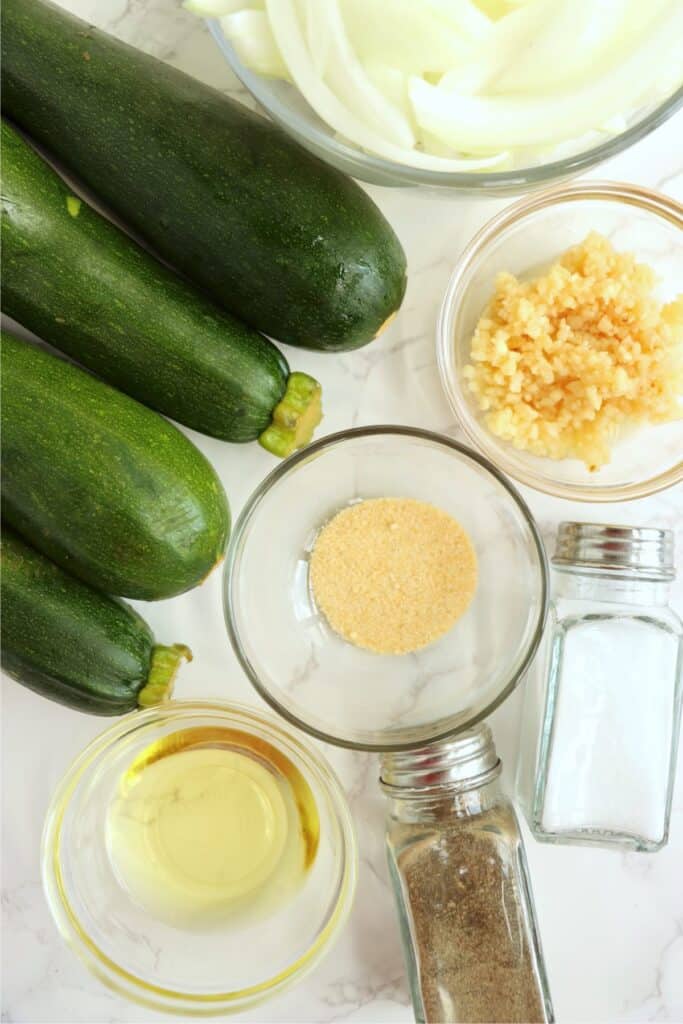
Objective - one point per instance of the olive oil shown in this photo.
(212, 823)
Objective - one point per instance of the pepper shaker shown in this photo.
(602, 705)
(459, 872)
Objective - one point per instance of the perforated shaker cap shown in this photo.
(643, 551)
(463, 762)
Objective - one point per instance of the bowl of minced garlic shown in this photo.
(392, 575)
(569, 362)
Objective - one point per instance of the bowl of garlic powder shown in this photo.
(385, 588)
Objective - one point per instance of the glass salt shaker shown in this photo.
(603, 697)
(458, 868)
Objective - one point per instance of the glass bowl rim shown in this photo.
(133, 987)
(473, 181)
(240, 533)
(652, 202)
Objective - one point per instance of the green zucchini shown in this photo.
(108, 489)
(67, 641)
(78, 282)
(285, 242)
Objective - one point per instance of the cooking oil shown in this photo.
(211, 823)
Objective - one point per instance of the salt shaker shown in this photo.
(458, 868)
(602, 706)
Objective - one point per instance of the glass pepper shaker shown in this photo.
(603, 697)
(458, 868)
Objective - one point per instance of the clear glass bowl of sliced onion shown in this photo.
(499, 96)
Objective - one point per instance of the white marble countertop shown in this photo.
(612, 924)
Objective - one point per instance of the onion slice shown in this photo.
(346, 77)
(482, 124)
(284, 22)
(506, 45)
(463, 15)
(414, 36)
(250, 33)
(549, 65)
(393, 84)
(217, 8)
(317, 35)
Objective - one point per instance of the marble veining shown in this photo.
(612, 924)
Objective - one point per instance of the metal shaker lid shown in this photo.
(643, 551)
(466, 761)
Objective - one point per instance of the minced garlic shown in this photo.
(565, 364)
(392, 575)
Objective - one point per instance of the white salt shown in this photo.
(608, 765)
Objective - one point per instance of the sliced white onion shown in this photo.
(445, 85)
(462, 15)
(478, 124)
(284, 21)
(217, 8)
(410, 35)
(508, 43)
(346, 77)
(549, 64)
(527, 50)
(250, 33)
(497, 9)
(393, 84)
(317, 35)
(494, 9)
(435, 147)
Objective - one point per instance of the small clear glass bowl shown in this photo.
(342, 693)
(193, 973)
(287, 107)
(525, 239)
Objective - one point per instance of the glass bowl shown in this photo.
(524, 239)
(287, 107)
(335, 690)
(194, 973)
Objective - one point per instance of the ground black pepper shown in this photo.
(470, 918)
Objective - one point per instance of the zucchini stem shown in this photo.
(162, 673)
(295, 417)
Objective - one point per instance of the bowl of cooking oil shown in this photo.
(199, 857)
